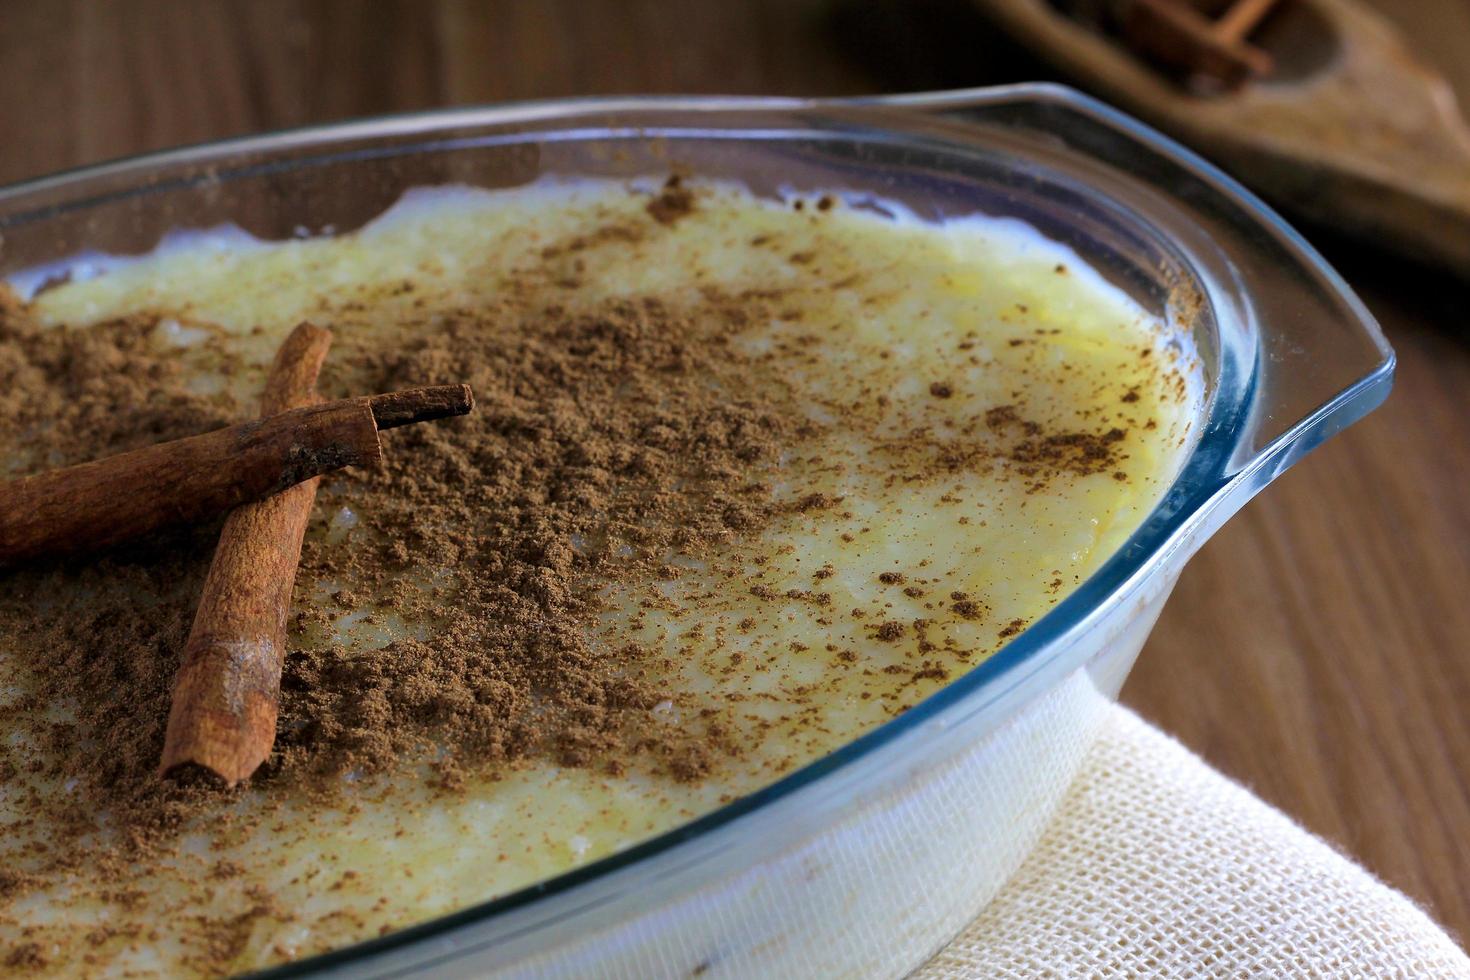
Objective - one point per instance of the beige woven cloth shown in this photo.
(1159, 866)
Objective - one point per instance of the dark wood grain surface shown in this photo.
(1316, 649)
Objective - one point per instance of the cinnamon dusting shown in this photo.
(577, 469)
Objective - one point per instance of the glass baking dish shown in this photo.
(864, 862)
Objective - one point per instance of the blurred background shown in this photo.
(1318, 649)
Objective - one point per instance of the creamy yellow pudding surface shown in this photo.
(978, 421)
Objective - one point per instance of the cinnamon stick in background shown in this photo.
(99, 504)
(225, 697)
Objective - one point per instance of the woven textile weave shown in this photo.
(1159, 866)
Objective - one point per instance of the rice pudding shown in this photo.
(747, 478)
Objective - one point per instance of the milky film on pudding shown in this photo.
(745, 479)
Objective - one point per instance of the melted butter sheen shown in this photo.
(898, 339)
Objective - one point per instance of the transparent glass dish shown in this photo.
(864, 862)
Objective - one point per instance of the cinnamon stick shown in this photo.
(225, 695)
(103, 503)
(1175, 34)
(1242, 17)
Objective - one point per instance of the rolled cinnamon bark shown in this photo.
(226, 694)
(103, 503)
(98, 504)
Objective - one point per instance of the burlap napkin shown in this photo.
(1159, 866)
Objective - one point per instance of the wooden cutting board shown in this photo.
(1352, 129)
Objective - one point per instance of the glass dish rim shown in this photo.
(1207, 466)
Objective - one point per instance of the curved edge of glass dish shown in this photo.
(1212, 484)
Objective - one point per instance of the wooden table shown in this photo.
(1316, 649)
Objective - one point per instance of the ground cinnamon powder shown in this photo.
(602, 443)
